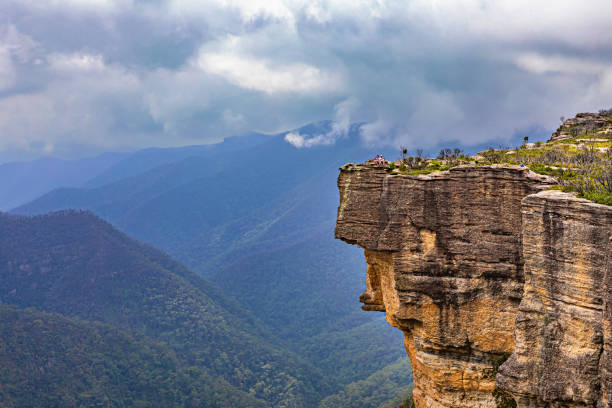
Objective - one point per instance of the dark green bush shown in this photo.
(593, 182)
(494, 156)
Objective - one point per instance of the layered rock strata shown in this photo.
(447, 257)
(445, 263)
(560, 326)
(605, 363)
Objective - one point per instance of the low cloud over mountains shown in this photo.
(80, 76)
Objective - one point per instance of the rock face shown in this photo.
(448, 254)
(582, 123)
(605, 364)
(445, 263)
(559, 333)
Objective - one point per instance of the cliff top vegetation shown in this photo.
(578, 156)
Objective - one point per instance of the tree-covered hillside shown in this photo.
(258, 222)
(308, 278)
(75, 264)
(373, 392)
(48, 360)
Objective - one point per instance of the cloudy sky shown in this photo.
(82, 76)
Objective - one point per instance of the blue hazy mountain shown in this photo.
(21, 182)
(143, 160)
(199, 201)
(258, 222)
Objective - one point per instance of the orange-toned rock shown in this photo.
(559, 334)
(605, 364)
(445, 262)
(480, 262)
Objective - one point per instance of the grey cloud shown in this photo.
(133, 73)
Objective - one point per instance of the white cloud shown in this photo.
(339, 128)
(342, 116)
(262, 75)
(298, 140)
(570, 21)
(76, 62)
(78, 5)
(7, 71)
(15, 49)
(18, 44)
(251, 9)
(246, 10)
(233, 119)
(85, 109)
(542, 64)
(120, 73)
(173, 98)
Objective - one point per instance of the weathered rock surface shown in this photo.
(582, 123)
(447, 256)
(605, 365)
(559, 337)
(445, 263)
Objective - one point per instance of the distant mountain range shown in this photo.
(21, 182)
(253, 215)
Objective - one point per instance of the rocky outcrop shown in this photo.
(583, 123)
(445, 263)
(477, 263)
(559, 336)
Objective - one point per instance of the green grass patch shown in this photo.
(578, 164)
(598, 197)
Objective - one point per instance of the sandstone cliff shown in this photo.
(559, 334)
(477, 263)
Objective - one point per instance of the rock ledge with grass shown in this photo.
(501, 285)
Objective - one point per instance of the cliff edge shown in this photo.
(480, 263)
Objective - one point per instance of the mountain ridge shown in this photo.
(216, 214)
(87, 269)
